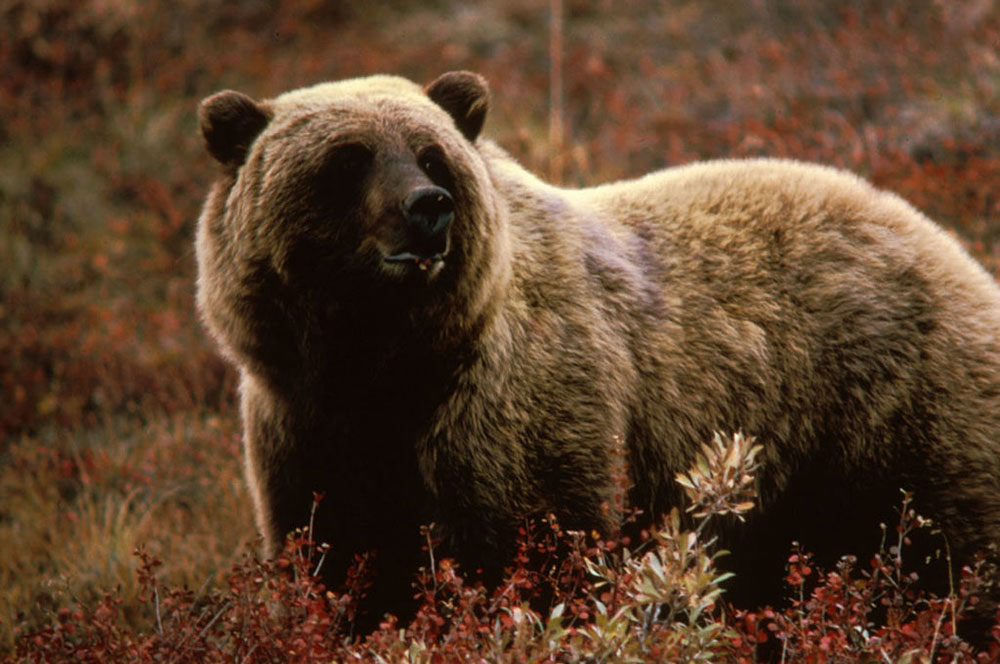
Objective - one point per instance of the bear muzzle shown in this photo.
(428, 212)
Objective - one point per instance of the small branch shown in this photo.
(250, 653)
(312, 532)
(430, 553)
(556, 127)
(319, 564)
(949, 605)
(156, 604)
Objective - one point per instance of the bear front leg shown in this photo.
(277, 480)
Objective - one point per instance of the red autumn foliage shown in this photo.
(117, 419)
(552, 606)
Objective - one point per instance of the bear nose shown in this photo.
(429, 211)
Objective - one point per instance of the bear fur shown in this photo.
(469, 388)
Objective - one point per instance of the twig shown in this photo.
(319, 564)
(312, 533)
(179, 652)
(156, 604)
(937, 627)
(249, 653)
(556, 128)
(430, 552)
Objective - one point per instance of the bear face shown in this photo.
(350, 196)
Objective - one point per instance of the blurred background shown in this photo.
(117, 419)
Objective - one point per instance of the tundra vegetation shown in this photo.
(125, 532)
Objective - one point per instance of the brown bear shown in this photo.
(426, 332)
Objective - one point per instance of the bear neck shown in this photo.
(363, 346)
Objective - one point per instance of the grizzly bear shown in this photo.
(427, 333)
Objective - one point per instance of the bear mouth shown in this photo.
(422, 262)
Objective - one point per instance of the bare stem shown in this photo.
(556, 127)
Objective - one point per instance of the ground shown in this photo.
(117, 420)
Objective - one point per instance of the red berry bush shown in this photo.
(567, 597)
(118, 429)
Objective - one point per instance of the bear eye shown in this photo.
(340, 177)
(432, 163)
(350, 159)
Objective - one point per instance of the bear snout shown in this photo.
(428, 212)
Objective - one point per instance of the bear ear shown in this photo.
(229, 123)
(466, 97)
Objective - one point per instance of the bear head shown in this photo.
(367, 183)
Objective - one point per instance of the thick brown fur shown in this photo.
(852, 336)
